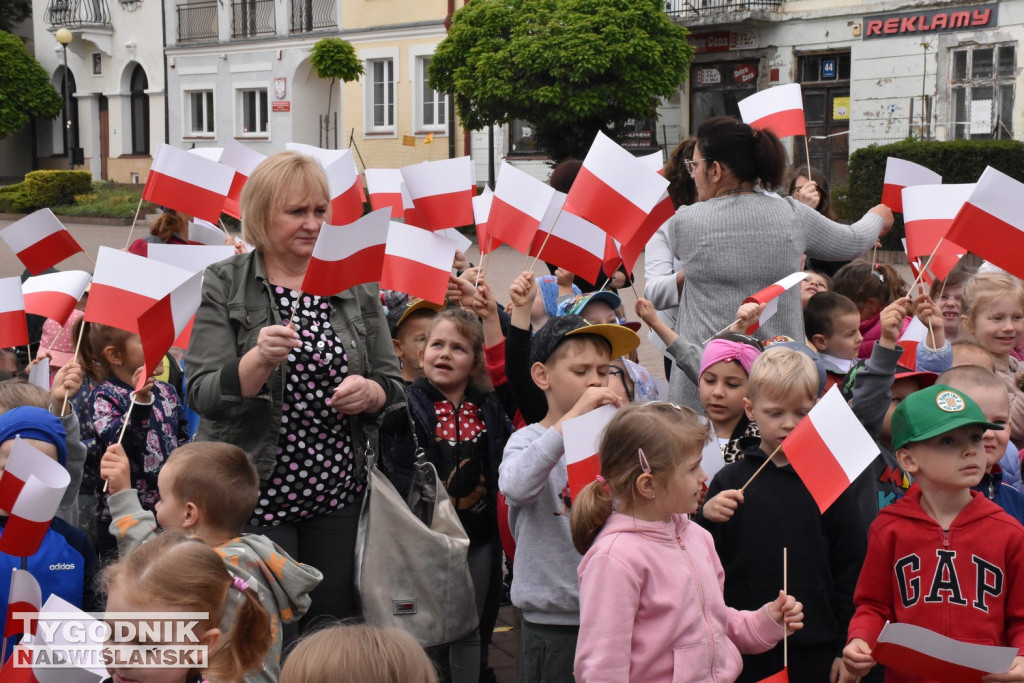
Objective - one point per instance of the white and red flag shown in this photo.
(991, 222)
(244, 161)
(518, 207)
(205, 232)
(346, 189)
(410, 215)
(195, 258)
(384, 185)
(769, 296)
(829, 448)
(40, 241)
(124, 286)
(162, 323)
(55, 295)
(912, 336)
(30, 491)
(481, 214)
(24, 598)
(928, 211)
(442, 191)
(614, 190)
(779, 109)
(13, 324)
(348, 255)
(188, 183)
(417, 262)
(211, 153)
(930, 656)
(570, 242)
(582, 446)
(900, 174)
(627, 254)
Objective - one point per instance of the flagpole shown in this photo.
(294, 308)
(807, 152)
(744, 487)
(483, 260)
(921, 272)
(74, 359)
(631, 284)
(124, 428)
(220, 221)
(544, 243)
(785, 589)
(721, 331)
(137, 209)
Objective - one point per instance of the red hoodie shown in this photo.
(960, 582)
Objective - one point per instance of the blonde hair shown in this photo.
(666, 433)
(982, 290)
(175, 571)
(274, 183)
(358, 653)
(219, 479)
(18, 392)
(782, 373)
(99, 337)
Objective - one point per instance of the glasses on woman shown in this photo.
(691, 164)
(618, 372)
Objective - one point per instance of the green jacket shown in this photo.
(237, 302)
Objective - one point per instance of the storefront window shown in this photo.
(715, 89)
(982, 91)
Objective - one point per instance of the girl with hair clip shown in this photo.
(948, 294)
(113, 360)
(172, 573)
(871, 288)
(365, 653)
(642, 553)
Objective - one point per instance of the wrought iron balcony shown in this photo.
(252, 18)
(701, 8)
(197, 21)
(77, 13)
(312, 15)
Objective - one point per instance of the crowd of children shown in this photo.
(654, 571)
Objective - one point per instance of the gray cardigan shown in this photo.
(237, 303)
(733, 246)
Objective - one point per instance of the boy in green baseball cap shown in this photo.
(943, 557)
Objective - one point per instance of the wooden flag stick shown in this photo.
(545, 242)
(124, 428)
(721, 331)
(768, 460)
(294, 308)
(131, 229)
(631, 285)
(807, 152)
(74, 358)
(920, 273)
(220, 221)
(785, 589)
(874, 255)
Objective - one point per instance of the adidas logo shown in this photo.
(61, 565)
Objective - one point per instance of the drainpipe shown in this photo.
(451, 95)
(167, 89)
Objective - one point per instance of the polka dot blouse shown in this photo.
(315, 469)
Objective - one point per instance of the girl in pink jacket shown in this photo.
(651, 605)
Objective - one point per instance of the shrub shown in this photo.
(52, 188)
(14, 200)
(957, 161)
(106, 200)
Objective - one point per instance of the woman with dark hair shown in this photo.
(170, 227)
(739, 239)
(813, 191)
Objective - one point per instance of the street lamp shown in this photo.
(64, 37)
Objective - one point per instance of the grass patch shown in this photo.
(106, 201)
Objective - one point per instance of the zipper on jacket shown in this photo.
(945, 538)
(703, 613)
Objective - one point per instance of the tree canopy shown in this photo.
(13, 12)
(569, 67)
(25, 89)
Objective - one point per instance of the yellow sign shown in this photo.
(840, 108)
(409, 140)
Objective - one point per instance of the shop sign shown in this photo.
(723, 41)
(931, 21)
(744, 73)
(281, 105)
(840, 108)
(708, 76)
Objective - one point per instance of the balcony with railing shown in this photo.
(252, 18)
(197, 21)
(719, 9)
(312, 15)
(77, 13)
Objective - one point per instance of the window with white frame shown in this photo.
(254, 111)
(381, 75)
(431, 105)
(982, 91)
(200, 113)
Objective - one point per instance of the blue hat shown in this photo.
(576, 304)
(30, 422)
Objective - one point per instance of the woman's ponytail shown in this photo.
(769, 159)
(590, 510)
(244, 646)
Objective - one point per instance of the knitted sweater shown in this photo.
(733, 246)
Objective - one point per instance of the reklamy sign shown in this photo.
(931, 21)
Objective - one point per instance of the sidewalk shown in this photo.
(505, 645)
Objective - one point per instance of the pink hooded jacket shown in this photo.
(651, 608)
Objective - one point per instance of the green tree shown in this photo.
(25, 89)
(335, 59)
(569, 67)
(13, 12)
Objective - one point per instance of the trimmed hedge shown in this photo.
(957, 161)
(53, 188)
(14, 200)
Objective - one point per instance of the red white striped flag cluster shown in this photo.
(165, 320)
(582, 446)
(384, 185)
(13, 324)
(928, 211)
(188, 183)
(410, 215)
(346, 189)
(991, 222)
(244, 161)
(570, 242)
(931, 656)
(40, 241)
(55, 295)
(779, 109)
(518, 207)
(417, 262)
(769, 296)
(442, 191)
(124, 286)
(829, 448)
(481, 214)
(25, 597)
(614, 190)
(348, 255)
(911, 337)
(30, 491)
(900, 174)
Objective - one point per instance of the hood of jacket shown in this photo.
(254, 557)
(664, 532)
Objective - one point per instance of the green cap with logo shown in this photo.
(934, 411)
